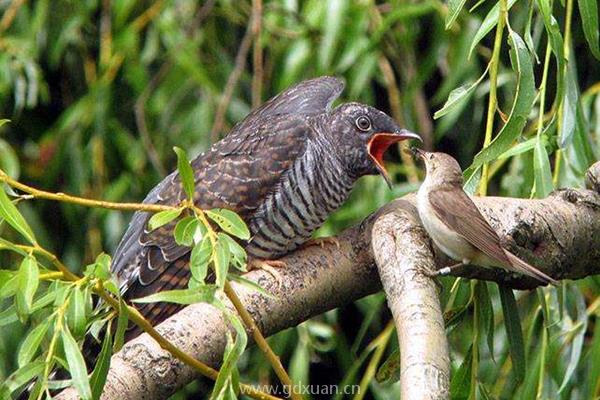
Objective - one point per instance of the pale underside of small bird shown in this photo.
(283, 169)
(456, 225)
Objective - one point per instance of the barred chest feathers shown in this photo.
(313, 188)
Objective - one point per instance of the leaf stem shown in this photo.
(493, 100)
(65, 198)
(260, 340)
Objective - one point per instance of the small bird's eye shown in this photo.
(363, 123)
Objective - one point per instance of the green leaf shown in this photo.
(486, 316)
(514, 332)
(580, 329)
(458, 96)
(10, 286)
(32, 342)
(460, 385)
(8, 316)
(230, 222)
(98, 378)
(185, 230)
(524, 99)
(490, 21)
(454, 8)
(541, 169)
(9, 212)
(568, 116)
(122, 324)
(202, 294)
(250, 284)
(389, 372)
(232, 354)
(200, 258)
(589, 19)
(77, 367)
(186, 174)
(28, 282)
(556, 42)
(238, 254)
(76, 313)
(221, 256)
(23, 375)
(163, 217)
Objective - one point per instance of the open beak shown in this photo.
(379, 144)
(418, 152)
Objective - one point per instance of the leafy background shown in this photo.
(98, 93)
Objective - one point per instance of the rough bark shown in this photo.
(560, 235)
(404, 256)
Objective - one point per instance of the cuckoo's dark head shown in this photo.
(361, 135)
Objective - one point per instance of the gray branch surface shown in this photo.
(403, 253)
(560, 235)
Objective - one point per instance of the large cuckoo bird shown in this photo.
(283, 169)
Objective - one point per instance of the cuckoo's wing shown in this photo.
(456, 209)
(232, 174)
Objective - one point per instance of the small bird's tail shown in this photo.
(524, 268)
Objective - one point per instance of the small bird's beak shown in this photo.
(380, 142)
(418, 152)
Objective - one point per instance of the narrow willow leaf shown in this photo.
(76, 364)
(514, 332)
(454, 8)
(231, 357)
(490, 21)
(250, 285)
(230, 222)
(460, 385)
(576, 347)
(332, 29)
(238, 254)
(593, 374)
(185, 230)
(200, 258)
(555, 40)
(186, 174)
(9, 212)
(524, 99)
(23, 375)
(32, 342)
(76, 313)
(458, 96)
(202, 294)
(8, 316)
(28, 282)
(10, 286)
(102, 268)
(486, 316)
(568, 117)
(521, 148)
(122, 323)
(589, 19)
(163, 217)
(541, 169)
(98, 378)
(221, 258)
(389, 372)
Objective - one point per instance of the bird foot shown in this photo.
(321, 242)
(269, 266)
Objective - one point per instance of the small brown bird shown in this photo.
(456, 225)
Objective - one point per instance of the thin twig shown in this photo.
(394, 99)
(260, 340)
(65, 198)
(493, 100)
(10, 14)
(257, 53)
(240, 60)
(138, 319)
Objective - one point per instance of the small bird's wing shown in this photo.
(456, 209)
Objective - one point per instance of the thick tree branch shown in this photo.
(560, 235)
(403, 253)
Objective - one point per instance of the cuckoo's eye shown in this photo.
(363, 123)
